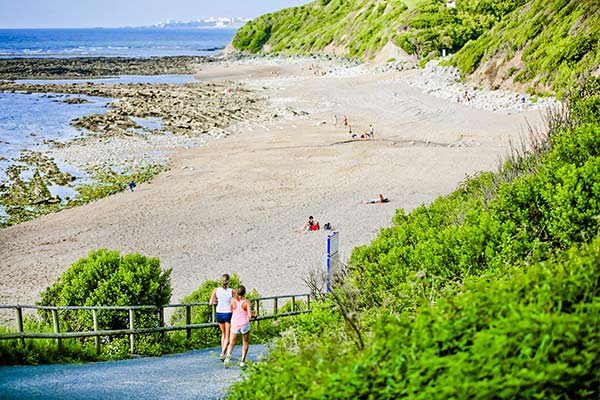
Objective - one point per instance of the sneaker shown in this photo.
(242, 364)
(227, 361)
(222, 356)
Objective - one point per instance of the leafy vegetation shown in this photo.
(543, 45)
(106, 278)
(363, 27)
(546, 43)
(360, 27)
(492, 291)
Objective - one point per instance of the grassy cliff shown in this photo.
(538, 45)
(546, 44)
(354, 28)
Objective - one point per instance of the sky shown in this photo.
(117, 13)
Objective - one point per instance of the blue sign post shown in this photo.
(333, 256)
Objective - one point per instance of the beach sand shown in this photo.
(237, 205)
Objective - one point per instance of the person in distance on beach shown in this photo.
(378, 199)
(241, 309)
(222, 296)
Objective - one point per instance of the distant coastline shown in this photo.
(114, 42)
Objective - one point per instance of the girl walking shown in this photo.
(241, 309)
(222, 298)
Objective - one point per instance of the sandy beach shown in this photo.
(237, 204)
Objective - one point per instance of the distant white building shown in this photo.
(451, 3)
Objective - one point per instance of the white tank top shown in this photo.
(224, 300)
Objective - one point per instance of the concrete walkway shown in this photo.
(198, 374)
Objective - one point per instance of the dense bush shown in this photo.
(552, 43)
(106, 278)
(492, 291)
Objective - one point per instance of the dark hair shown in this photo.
(241, 290)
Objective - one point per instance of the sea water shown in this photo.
(29, 121)
(33, 121)
(113, 42)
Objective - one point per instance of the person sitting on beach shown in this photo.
(352, 135)
(378, 199)
(311, 225)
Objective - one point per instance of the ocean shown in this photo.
(28, 122)
(113, 42)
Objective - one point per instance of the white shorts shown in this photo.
(242, 329)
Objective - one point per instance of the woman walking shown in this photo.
(240, 323)
(222, 298)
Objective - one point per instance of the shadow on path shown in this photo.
(198, 374)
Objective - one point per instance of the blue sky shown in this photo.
(114, 13)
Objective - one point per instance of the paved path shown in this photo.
(198, 374)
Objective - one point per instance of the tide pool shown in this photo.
(33, 121)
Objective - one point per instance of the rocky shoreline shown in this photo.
(144, 123)
(96, 67)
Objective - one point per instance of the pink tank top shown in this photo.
(240, 316)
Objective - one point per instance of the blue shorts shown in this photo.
(224, 317)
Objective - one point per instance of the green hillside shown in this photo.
(538, 44)
(358, 27)
(547, 43)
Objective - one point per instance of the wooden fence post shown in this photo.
(293, 303)
(56, 327)
(214, 313)
(132, 327)
(308, 302)
(20, 324)
(161, 320)
(257, 314)
(96, 338)
(188, 321)
(275, 306)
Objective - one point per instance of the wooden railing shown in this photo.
(58, 335)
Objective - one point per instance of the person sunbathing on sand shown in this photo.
(378, 199)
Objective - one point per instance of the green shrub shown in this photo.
(492, 291)
(106, 278)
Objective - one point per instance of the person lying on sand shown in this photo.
(378, 199)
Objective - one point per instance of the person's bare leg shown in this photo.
(232, 339)
(245, 345)
(224, 341)
(225, 338)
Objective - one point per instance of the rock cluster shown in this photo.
(444, 82)
(188, 109)
(86, 67)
